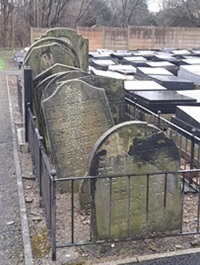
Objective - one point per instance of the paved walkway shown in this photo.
(11, 245)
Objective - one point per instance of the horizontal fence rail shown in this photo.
(63, 216)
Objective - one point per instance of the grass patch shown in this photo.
(2, 64)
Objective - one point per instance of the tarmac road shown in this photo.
(188, 259)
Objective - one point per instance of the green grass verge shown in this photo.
(2, 64)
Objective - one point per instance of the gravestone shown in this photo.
(54, 69)
(114, 89)
(79, 44)
(64, 76)
(42, 57)
(44, 90)
(76, 115)
(120, 205)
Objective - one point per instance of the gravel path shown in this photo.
(11, 245)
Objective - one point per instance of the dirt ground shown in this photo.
(88, 255)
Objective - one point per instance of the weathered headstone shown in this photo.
(54, 69)
(64, 76)
(76, 115)
(131, 205)
(114, 89)
(79, 44)
(42, 57)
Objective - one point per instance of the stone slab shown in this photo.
(164, 101)
(190, 72)
(190, 93)
(142, 86)
(181, 52)
(76, 115)
(101, 64)
(120, 204)
(188, 117)
(122, 69)
(110, 74)
(153, 71)
(173, 82)
(136, 61)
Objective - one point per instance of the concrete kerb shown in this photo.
(28, 258)
(138, 259)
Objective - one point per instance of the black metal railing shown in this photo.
(187, 142)
(19, 95)
(63, 218)
(70, 220)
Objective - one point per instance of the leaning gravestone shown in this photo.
(120, 204)
(42, 57)
(76, 115)
(114, 89)
(64, 76)
(49, 90)
(54, 69)
(79, 44)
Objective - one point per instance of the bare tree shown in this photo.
(183, 13)
(129, 12)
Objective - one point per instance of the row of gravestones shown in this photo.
(82, 119)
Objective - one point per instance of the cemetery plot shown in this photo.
(123, 69)
(190, 72)
(188, 117)
(164, 101)
(144, 72)
(142, 86)
(136, 61)
(191, 93)
(173, 82)
(110, 74)
(101, 64)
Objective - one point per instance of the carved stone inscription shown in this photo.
(76, 115)
(120, 204)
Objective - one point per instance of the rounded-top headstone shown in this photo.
(132, 150)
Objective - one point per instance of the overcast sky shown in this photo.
(154, 5)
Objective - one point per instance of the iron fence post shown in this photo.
(134, 100)
(27, 96)
(159, 113)
(53, 215)
(40, 168)
(193, 131)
